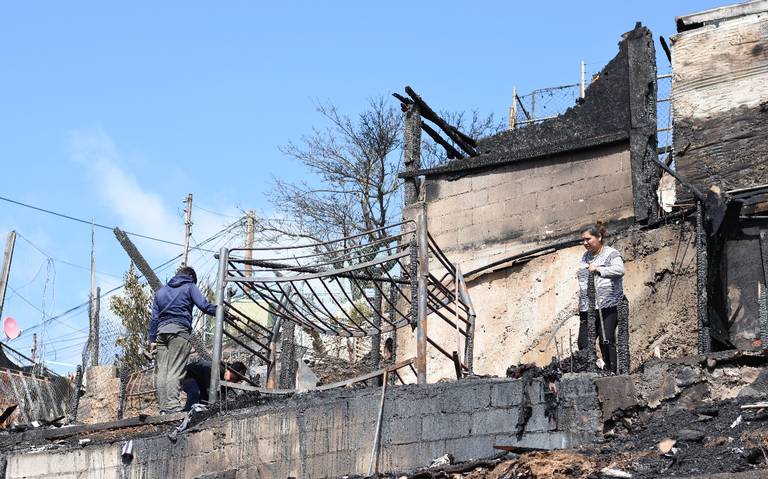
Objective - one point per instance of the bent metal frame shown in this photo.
(323, 287)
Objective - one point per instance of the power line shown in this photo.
(92, 223)
(74, 309)
(47, 255)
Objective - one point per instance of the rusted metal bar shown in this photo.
(456, 364)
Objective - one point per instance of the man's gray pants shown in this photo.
(172, 354)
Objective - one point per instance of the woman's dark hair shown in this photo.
(598, 230)
(239, 368)
(188, 271)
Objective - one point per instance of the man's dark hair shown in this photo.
(239, 369)
(188, 271)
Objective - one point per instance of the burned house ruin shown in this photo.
(480, 277)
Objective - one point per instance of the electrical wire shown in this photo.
(91, 223)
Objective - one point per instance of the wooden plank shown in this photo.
(693, 20)
(325, 387)
(720, 82)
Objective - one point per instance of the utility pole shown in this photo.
(92, 334)
(250, 224)
(7, 258)
(187, 228)
(96, 314)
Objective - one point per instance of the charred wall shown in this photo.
(720, 97)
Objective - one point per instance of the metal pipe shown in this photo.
(469, 347)
(422, 283)
(374, 464)
(221, 290)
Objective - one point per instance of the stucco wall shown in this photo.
(521, 310)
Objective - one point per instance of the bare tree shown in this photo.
(353, 163)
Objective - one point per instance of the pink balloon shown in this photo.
(11, 328)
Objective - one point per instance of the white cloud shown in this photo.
(139, 210)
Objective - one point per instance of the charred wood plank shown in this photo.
(463, 141)
(138, 259)
(453, 153)
(665, 47)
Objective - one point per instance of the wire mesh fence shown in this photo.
(543, 104)
(30, 393)
(664, 110)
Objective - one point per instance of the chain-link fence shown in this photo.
(543, 104)
(664, 111)
(29, 393)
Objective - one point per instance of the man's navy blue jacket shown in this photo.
(173, 304)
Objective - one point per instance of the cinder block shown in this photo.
(506, 394)
(553, 198)
(472, 447)
(441, 426)
(409, 407)
(581, 386)
(531, 185)
(447, 239)
(444, 188)
(494, 421)
(484, 181)
(504, 191)
(487, 213)
(316, 442)
(400, 431)
(465, 397)
(402, 457)
(539, 421)
(544, 440)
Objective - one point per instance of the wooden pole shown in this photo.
(96, 339)
(250, 224)
(422, 292)
(7, 258)
(91, 297)
(187, 229)
(583, 85)
(34, 347)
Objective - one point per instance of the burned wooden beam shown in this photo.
(665, 47)
(463, 141)
(453, 153)
(138, 259)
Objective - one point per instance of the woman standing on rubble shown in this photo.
(607, 267)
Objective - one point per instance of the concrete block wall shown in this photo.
(331, 433)
(506, 209)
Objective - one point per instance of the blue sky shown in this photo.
(115, 112)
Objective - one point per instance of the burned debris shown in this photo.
(481, 377)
